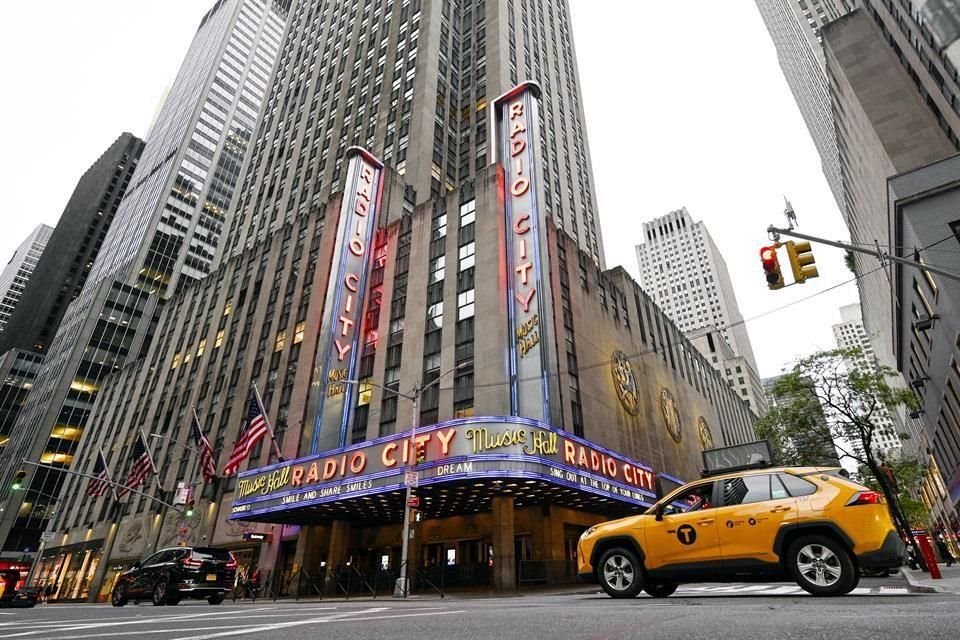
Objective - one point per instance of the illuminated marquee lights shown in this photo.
(344, 303)
(479, 447)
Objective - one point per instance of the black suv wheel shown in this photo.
(821, 566)
(119, 596)
(620, 573)
(161, 593)
(660, 590)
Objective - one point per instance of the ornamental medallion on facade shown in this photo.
(706, 437)
(671, 414)
(625, 382)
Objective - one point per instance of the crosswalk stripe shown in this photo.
(778, 590)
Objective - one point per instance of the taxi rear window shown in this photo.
(797, 486)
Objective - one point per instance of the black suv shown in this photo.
(181, 572)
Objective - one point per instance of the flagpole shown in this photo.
(146, 447)
(113, 488)
(196, 461)
(266, 419)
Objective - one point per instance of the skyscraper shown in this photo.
(73, 247)
(19, 270)
(361, 298)
(794, 27)
(850, 334)
(814, 446)
(422, 107)
(685, 273)
(165, 235)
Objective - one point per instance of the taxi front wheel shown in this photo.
(821, 566)
(620, 573)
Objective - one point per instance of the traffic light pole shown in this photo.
(876, 253)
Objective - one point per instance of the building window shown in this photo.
(435, 316)
(467, 252)
(465, 305)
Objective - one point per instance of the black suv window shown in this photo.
(151, 559)
(797, 486)
(206, 553)
(746, 490)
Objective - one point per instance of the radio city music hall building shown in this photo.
(563, 396)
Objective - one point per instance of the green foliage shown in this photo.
(852, 390)
(853, 393)
(851, 263)
(914, 511)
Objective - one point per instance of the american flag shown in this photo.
(254, 428)
(207, 466)
(141, 468)
(99, 484)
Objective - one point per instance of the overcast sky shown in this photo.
(685, 104)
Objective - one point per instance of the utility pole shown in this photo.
(776, 232)
(402, 588)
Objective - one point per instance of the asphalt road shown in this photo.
(878, 610)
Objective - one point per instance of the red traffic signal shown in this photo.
(771, 266)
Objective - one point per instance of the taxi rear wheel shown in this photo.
(821, 566)
(620, 573)
(660, 590)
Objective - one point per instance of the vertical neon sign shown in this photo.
(528, 307)
(337, 356)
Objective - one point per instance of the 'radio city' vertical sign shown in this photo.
(337, 357)
(528, 312)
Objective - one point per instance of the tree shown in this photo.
(856, 394)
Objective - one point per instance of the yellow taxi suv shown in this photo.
(809, 524)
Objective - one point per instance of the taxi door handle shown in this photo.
(779, 509)
(705, 522)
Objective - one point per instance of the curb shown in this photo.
(914, 586)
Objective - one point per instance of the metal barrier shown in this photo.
(346, 578)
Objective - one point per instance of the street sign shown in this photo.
(411, 479)
(413, 501)
(48, 536)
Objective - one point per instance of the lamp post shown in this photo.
(402, 587)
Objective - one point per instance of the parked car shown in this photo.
(169, 575)
(10, 597)
(809, 524)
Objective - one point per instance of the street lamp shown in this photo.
(401, 589)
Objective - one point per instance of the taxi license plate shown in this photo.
(211, 577)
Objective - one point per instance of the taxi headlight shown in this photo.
(588, 532)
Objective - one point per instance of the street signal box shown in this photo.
(801, 261)
(771, 266)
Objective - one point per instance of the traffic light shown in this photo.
(189, 508)
(18, 480)
(771, 266)
(801, 261)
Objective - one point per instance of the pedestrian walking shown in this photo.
(253, 583)
(945, 552)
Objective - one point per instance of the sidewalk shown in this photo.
(922, 582)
